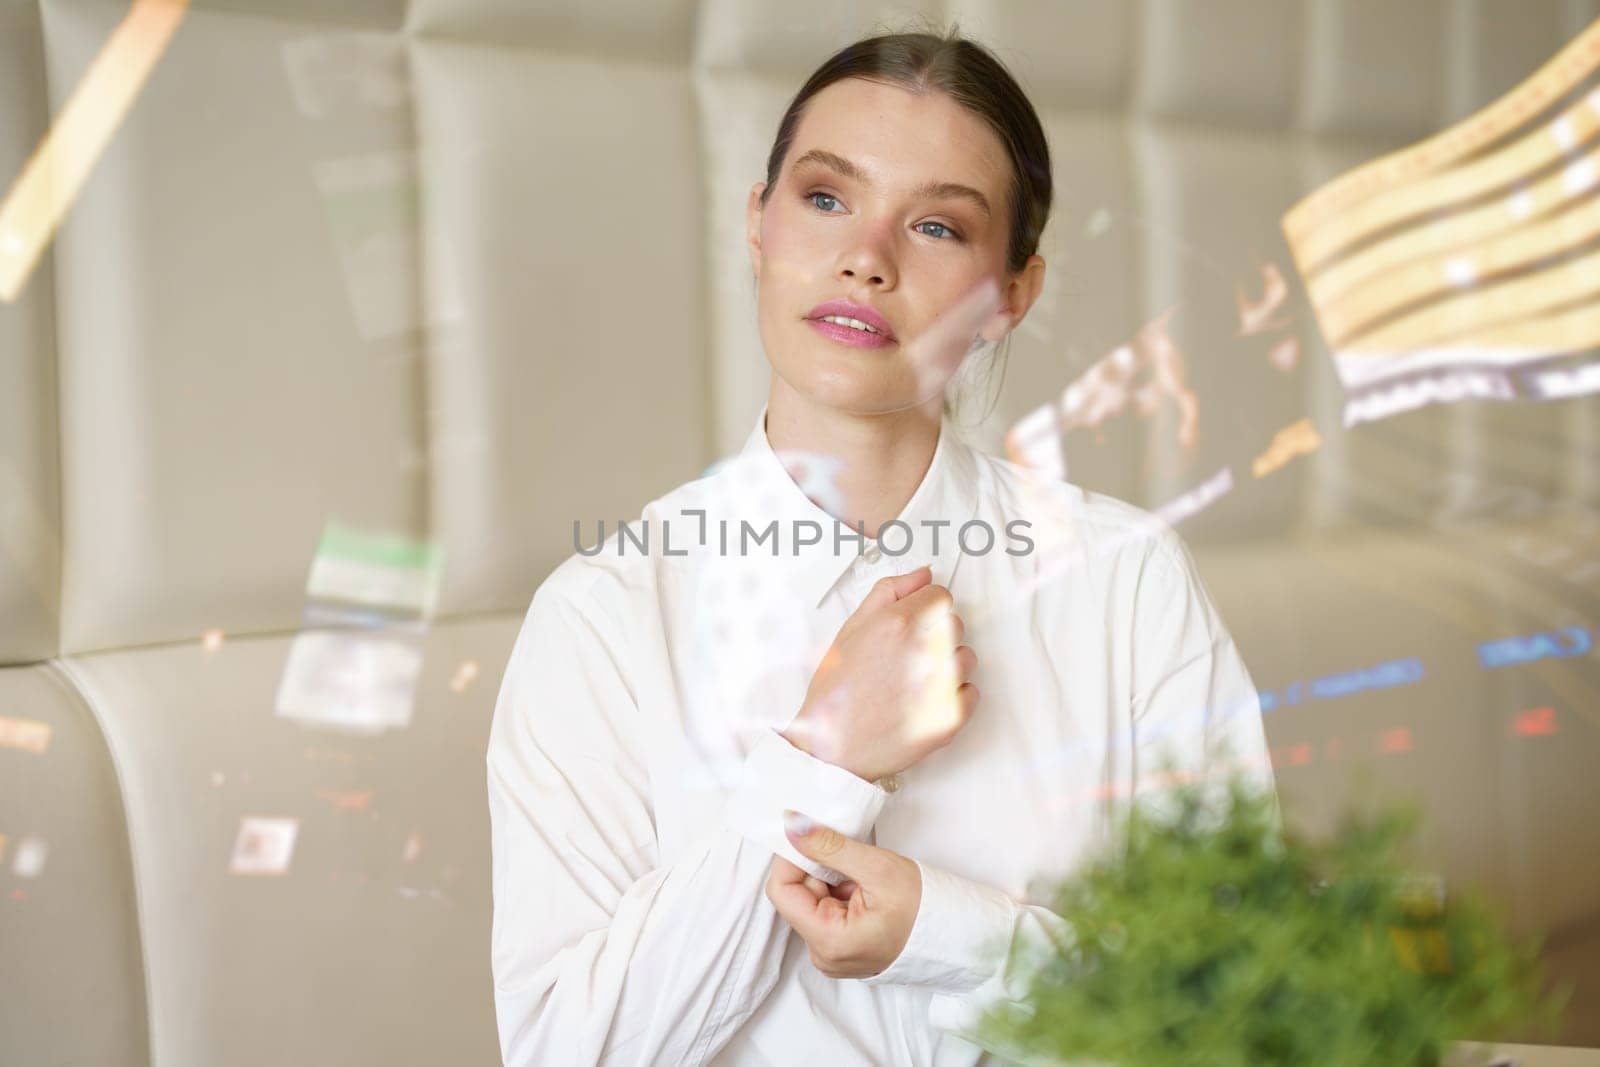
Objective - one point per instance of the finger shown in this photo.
(929, 602)
(791, 896)
(792, 885)
(906, 584)
(812, 918)
(855, 860)
(929, 612)
(784, 872)
(796, 905)
(966, 662)
(887, 590)
(843, 891)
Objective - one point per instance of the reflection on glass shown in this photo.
(47, 187)
(332, 73)
(355, 664)
(264, 845)
(373, 206)
(1467, 265)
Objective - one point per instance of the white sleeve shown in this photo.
(775, 776)
(600, 952)
(1195, 709)
(973, 948)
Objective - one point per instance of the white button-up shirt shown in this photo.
(637, 778)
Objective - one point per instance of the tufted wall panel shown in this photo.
(218, 397)
(1255, 82)
(429, 267)
(627, 31)
(372, 946)
(407, 350)
(72, 989)
(1200, 152)
(30, 538)
(557, 364)
(1517, 822)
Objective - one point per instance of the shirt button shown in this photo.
(872, 555)
(889, 783)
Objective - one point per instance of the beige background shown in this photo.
(552, 318)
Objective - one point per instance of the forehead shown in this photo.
(900, 137)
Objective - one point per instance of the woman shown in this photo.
(943, 714)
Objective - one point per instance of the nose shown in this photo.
(869, 261)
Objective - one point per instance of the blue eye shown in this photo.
(946, 233)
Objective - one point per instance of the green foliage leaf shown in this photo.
(1215, 938)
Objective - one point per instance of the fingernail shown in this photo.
(795, 824)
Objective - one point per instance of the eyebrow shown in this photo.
(932, 189)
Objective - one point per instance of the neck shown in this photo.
(883, 457)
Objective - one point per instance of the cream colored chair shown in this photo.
(425, 268)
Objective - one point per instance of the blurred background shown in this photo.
(321, 321)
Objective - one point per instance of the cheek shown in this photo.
(805, 244)
(964, 300)
(780, 230)
(941, 291)
(793, 259)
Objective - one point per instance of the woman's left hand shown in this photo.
(857, 928)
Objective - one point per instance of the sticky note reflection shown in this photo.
(355, 665)
(50, 182)
(30, 857)
(1465, 266)
(25, 735)
(263, 845)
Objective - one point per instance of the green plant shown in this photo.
(1214, 938)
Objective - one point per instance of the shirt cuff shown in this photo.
(777, 775)
(959, 939)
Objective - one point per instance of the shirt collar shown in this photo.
(948, 491)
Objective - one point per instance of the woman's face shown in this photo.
(895, 202)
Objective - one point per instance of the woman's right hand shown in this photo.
(893, 685)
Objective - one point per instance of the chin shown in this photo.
(862, 382)
(880, 395)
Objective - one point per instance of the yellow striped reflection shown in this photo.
(49, 184)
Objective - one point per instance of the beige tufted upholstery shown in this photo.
(552, 317)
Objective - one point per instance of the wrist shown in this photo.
(799, 738)
(796, 738)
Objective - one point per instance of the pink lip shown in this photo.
(860, 338)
